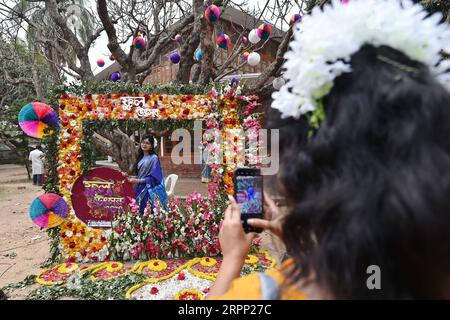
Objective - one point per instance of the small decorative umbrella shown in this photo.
(35, 117)
(48, 210)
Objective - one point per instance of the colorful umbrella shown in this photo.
(48, 210)
(35, 117)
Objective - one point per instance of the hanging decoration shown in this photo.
(35, 117)
(245, 56)
(139, 42)
(100, 62)
(244, 41)
(278, 83)
(212, 13)
(198, 54)
(295, 18)
(264, 31)
(48, 210)
(253, 36)
(175, 57)
(115, 76)
(111, 57)
(223, 41)
(178, 38)
(253, 59)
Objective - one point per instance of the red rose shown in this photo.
(186, 111)
(154, 290)
(181, 276)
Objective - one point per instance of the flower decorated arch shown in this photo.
(221, 111)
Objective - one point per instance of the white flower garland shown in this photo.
(325, 40)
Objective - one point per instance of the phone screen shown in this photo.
(249, 194)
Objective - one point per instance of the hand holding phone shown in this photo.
(273, 218)
(248, 192)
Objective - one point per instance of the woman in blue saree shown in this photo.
(150, 180)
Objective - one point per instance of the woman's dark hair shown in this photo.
(151, 139)
(372, 186)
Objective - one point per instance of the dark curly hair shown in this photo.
(372, 186)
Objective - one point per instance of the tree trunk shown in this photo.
(207, 44)
(37, 83)
(191, 44)
(119, 146)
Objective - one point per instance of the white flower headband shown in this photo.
(321, 50)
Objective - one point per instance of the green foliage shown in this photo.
(28, 281)
(55, 254)
(106, 87)
(50, 143)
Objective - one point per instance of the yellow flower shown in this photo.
(208, 262)
(156, 265)
(251, 259)
(114, 266)
(67, 267)
(189, 295)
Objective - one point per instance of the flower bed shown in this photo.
(169, 279)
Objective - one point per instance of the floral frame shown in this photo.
(78, 242)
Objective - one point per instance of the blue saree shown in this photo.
(151, 183)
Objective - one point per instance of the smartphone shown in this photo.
(248, 192)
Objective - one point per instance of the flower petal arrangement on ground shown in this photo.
(178, 279)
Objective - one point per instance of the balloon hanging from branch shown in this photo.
(36, 117)
(178, 38)
(198, 54)
(244, 41)
(212, 13)
(175, 57)
(245, 56)
(295, 18)
(115, 76)
(264, 31)
(253, 59)
(223, 41)
(278, 83)
(100, 62)
(253, 36)
(139, 42)
(111, 57)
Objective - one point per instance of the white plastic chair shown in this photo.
(171, 180)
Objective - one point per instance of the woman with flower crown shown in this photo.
(364, 121)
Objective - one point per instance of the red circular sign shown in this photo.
(100, 195)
